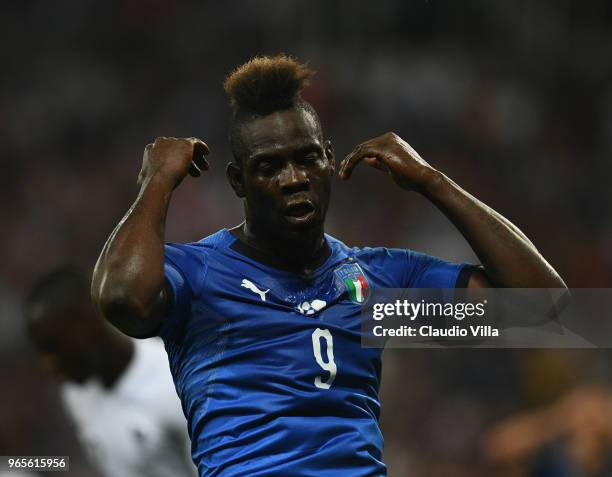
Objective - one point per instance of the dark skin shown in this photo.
(75, 344)
(509, 258)
(284, 178)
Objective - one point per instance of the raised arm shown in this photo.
(509, 258)
(128, 282)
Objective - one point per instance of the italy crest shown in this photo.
(351, 276)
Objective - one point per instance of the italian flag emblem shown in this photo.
(357, 288)
(352, 278)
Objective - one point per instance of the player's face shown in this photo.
(62, 350)
(287, 172)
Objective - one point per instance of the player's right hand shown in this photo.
(171, 159)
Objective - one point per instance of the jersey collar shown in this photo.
(334, 254)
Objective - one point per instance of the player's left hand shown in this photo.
(391, 154)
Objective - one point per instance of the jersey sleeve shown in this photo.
(184, 270)
(411, 269)
(425, 271)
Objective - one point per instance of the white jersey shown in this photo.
(136, 427)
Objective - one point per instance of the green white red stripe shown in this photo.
(357, 288)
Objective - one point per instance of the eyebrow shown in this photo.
(275, 154)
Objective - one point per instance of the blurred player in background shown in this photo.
(118, 391)
(571, 437)
(262, 322)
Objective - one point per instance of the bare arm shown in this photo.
(509, 258)
(128, 283)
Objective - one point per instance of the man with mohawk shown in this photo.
(261, 322)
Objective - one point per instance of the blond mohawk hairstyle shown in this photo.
(267, 83)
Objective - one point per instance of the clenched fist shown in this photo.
(171, 159)
(391, 154)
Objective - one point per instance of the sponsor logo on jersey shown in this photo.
(249, 285)
(312, 307)
(350, 276)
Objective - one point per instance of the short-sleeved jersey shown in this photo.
(269, 365)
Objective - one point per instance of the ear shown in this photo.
(234, 177)
(330, 156)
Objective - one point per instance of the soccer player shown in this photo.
(261, 322)
(118, 391)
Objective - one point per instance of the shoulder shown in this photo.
(187, 263)
(373, 255)
(197, 250)
(402, 267)
(385, 267)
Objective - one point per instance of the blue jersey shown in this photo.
(269, 365)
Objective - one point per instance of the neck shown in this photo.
(301, 254)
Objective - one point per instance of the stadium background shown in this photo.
(513, 100)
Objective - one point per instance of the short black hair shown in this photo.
(62, 287)
(263, 85)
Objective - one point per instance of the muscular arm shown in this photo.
(128, 283)
(509, 258)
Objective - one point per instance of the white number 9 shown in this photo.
(330, 365)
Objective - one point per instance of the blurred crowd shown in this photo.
(513, 100)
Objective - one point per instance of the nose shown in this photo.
(293, 178)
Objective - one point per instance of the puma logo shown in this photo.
(249, 285)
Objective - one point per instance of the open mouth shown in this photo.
(299, 209)
(299, 212)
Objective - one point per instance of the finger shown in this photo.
(200, 145)
(344, 162)
(376, 164)
(145, 157)
(350, 162)
(146, 152)
(359, 149)
(200, 151)
(194, 170)
(199, 163)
